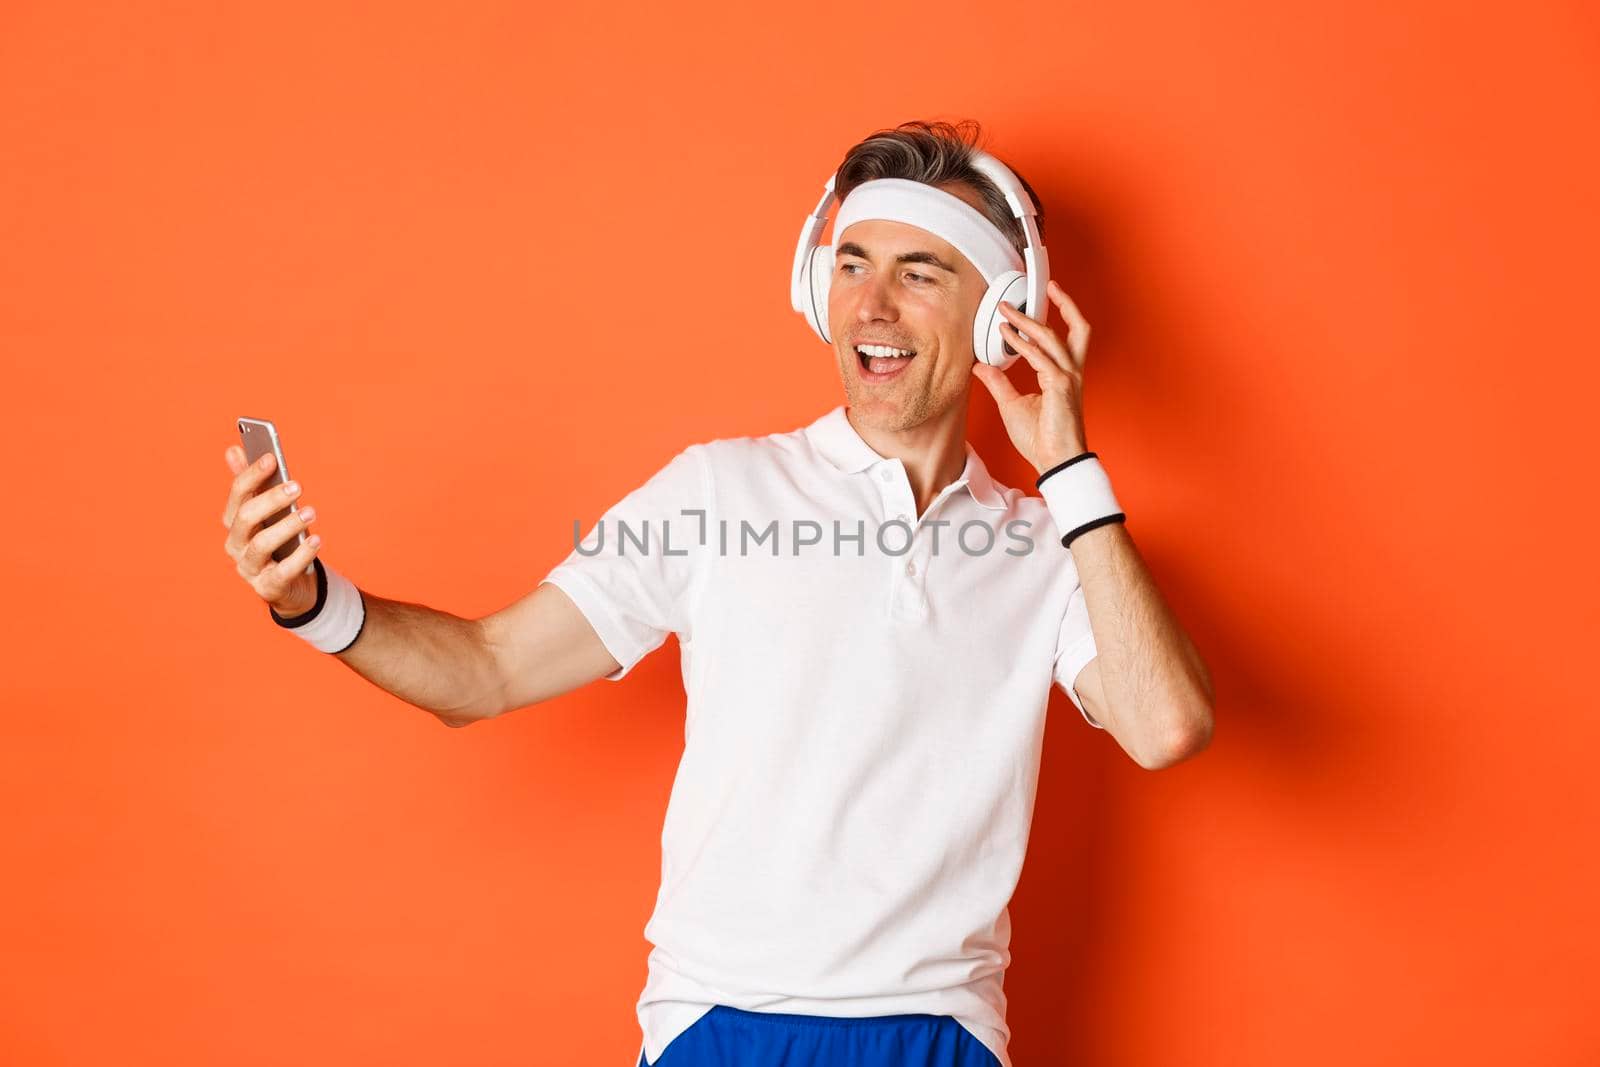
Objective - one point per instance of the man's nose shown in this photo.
(877, 300)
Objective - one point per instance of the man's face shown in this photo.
(900, 286)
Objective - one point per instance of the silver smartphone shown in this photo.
(260, 437)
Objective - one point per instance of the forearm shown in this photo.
(429, 658)
(1151, 673)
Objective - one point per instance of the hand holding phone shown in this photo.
(266, 533)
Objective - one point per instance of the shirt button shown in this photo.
(886, 474)
(911, 567)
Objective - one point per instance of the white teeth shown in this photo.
(883, 350)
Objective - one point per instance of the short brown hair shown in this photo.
(934, 153)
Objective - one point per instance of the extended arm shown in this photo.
(459, 670)
(465, 670)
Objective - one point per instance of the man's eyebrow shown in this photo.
(850, 248)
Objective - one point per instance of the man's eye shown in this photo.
(909, 274)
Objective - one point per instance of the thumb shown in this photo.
(994, 379)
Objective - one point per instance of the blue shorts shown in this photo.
(732, 1037)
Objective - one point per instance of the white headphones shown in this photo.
(1024, 289)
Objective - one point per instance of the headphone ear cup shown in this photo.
(987, 343)
(815, 283)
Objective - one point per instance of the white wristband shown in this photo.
(1079, 497)
(335, 620)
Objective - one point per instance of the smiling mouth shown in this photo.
(883, 364)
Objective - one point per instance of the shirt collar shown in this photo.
(839, 443)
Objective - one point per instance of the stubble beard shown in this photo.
(912, 405)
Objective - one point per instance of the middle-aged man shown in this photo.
(869, 626)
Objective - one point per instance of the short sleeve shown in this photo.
(635, 572)
(1075, 648)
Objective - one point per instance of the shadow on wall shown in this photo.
(1295, 733)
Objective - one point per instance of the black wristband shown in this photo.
(1063, 465)
(305, 616)
(1068, 538)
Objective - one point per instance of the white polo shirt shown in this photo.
(867, 692)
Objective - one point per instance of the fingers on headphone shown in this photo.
(1036, 357)
(1039, 354)
(1066, 347)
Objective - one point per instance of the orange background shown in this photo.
(488, 267)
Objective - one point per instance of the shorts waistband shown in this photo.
(768, 1018)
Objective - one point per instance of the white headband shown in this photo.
(942, 214)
